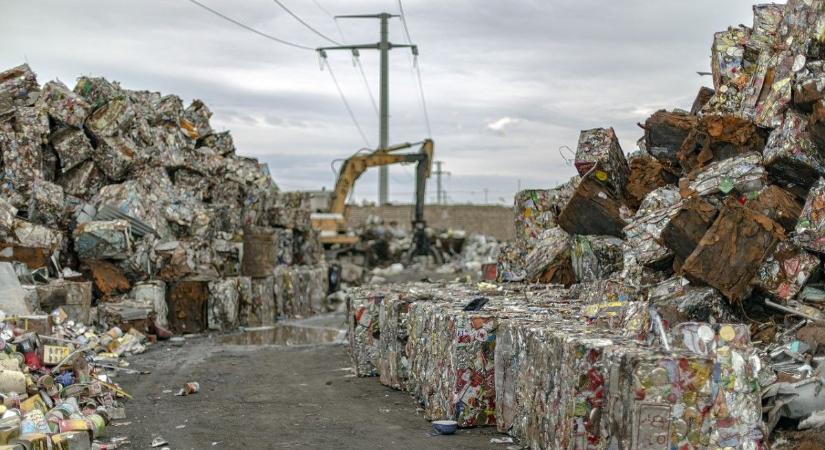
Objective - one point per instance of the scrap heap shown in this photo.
(669, 299)
(124, 211)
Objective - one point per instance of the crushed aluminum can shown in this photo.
(743, 173)
(601, 146)
(810, 229)
(787, 271)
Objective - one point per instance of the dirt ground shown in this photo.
(273, 397)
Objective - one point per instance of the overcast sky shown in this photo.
(507, 82)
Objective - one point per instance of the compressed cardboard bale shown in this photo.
(743, 173)
(643, 233)
(153, 295)
(646, 175)
(72, 146)
(792, 158)
(83, 181)
(665, 132)
(363, 332)
(731, 252)
(786, 272)
(225, 299)
(18, 87)
(188, 301)
(810, 229)
(549, 262)
(702, 99)
(600, 147)
(718, 137)
(63, 105)
(74, 297)
(778, 204)
(677, 301)
(260, 312)
(594, 208)
(596, 257)
(220, 142)
(687, 227)
(108, 278)
(105, 239)
(47, 203)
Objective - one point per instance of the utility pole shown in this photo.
(441, 196)
(384, 47)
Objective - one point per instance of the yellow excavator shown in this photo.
(332, 225)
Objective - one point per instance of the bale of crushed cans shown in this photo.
(696, 310)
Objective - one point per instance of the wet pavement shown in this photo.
(286, 387)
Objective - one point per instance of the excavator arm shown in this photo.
(355, 166)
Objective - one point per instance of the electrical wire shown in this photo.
(310, 27)
(346, 103)
(248, 28)
(417, 69)
(356, 57)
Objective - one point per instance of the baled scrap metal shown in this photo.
(74, 297)
(228, 257)
(108, 278)
(646, 175)
(188, 301)
(18, 87)
(31, 244)
(702, 98)
(719, 137)
(24, 130)
(810, 229)
(83, 181)
(63, 105)
(743, 173)
(785, 273)
(198, 114)
(676, 302)
(72, 146)
(536, 210)
(729, 255)
(665, 132)
(791, 156)
(363, 331)
(596, 257)
(767, 20)
(686, 228)
(809, 86)
(736, 405)
(260, 312)
(728, 56)
(220, 142)
(259, 251)
(393, 364)
(133, 199)
(181, 258)
(778, 204)
(644, 232)
(549, 262)
(47, 203)
(111, 239)
(7, 215)
(225, 298)
(596, 207)
(600, 146)
(152, 294)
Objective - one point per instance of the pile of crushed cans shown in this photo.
(124, 219)
(672, 298)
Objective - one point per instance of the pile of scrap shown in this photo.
(670, 299)
(133, 204)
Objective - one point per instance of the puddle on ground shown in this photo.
(287, 335)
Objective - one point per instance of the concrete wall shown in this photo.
(496, 221)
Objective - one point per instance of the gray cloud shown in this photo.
(549, 67)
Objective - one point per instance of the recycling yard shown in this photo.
(160, 289)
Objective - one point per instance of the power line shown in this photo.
(295, 16)
(356, 56)
(248, 28)
(346, 103)
(417, 70)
